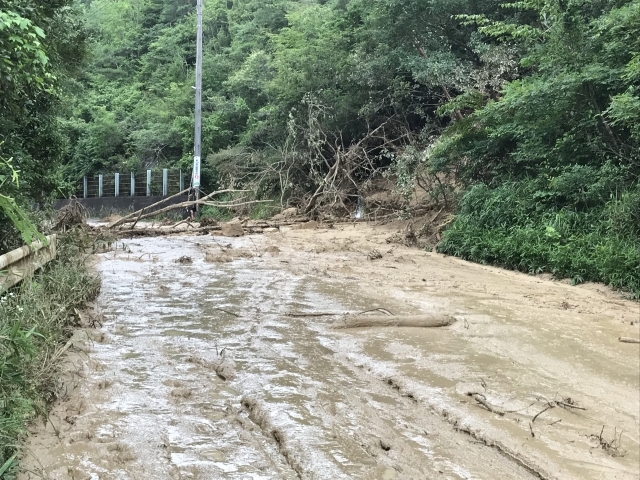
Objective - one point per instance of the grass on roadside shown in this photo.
(592, 240)
(36, 320)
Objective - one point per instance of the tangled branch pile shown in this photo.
(71, 214)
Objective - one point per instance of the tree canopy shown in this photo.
(528, 110)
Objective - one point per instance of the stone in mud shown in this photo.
(232, 228)
(271, 230)
(225, 369)
(272, 249)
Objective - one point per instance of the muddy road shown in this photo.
(225, 364)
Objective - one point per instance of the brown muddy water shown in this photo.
(224, 369)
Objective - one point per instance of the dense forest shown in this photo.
(522, 117)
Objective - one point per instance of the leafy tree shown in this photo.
(557, 153)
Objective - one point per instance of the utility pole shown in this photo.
(197, 150)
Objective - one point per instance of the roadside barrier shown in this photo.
(22, 262)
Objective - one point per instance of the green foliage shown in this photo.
(262, 59)
(552, 165)
(509, 227)
(41, 44)
(263, 211)
(216, 213)
(531, 102)
(34, 324)
(9, 208)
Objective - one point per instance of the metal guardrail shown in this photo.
(22, 262)
(163, 182)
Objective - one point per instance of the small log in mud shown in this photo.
(417, 321)
(628, 340)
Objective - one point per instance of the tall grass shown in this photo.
(583, 231)
(36, 319)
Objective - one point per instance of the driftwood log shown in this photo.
(418, 321)
(628, 340)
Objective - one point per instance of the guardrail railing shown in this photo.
(163, 182)
(22, 262)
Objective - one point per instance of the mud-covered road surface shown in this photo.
(225, 365)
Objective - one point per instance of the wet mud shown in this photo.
(229, 366)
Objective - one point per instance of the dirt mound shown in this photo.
(217, 257)
(232, 228)
(225, 368)
(185, 260)
(383, 202)
(312, 225)
(285, 214)
(424, 232)
(261, 417)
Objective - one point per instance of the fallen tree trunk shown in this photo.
(628, 340)
(141, 211)
(418, 321)
(203, 201)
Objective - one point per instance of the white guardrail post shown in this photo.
(165, 182)
(22, 262)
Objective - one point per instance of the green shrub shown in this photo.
(530, 228)
(36, 320)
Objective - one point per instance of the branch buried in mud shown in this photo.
(417, 321)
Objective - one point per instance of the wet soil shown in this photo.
(216, 369)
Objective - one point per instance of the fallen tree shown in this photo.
(137, 213)
(136, 216)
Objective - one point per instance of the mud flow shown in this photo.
(217, 359)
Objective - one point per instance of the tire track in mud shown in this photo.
(439, 405)
(202, 393)
(261, 418)
(456, 423)
(453, 418)
(370, 444)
